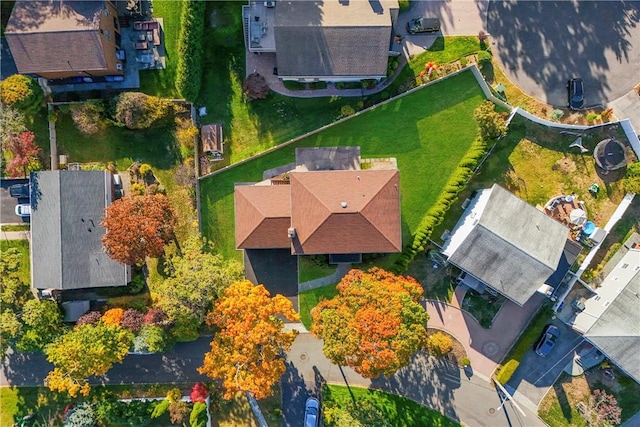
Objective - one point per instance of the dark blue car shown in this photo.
(547, 340)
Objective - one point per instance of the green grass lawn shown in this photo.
(23, 246)
(445, 49)
(428, 132)
(396, 410)
(310, 268)
(16, 227)
(162, 82)
(307, 300)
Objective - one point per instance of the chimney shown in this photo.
(291, 232)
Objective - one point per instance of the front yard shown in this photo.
(559, 406)
(427, 132)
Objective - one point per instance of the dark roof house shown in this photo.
(67, 208)
(322, 211)
(509, 245)
(59, 39)
(325, 40)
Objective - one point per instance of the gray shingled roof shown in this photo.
(67, 208)
(514, 248)
(331, 38)
(617, 331)
(47, 36)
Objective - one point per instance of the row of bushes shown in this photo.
(505, 372)
(189, 75)
(436, 213)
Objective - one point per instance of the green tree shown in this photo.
(135, 110)
(632, 178)
(492, 124)
(374, 325)
(198, 417)
(42, 324)
(85, 351)
(22, 92)
(14, 293)
(12, 123)
(196, 278)
(189, 68)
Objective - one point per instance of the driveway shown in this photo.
(276, 269)
(8, 203)
(431, 382)
(540, 45)
(536, 374)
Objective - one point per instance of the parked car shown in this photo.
(23, 210)
(19, 190)
(547, 340)
(575, 89)
(423, 25)
(312, 412)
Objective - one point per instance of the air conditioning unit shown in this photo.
(119, 67)
(291, 232)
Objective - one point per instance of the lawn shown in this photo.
(15, 227)
(307, 300)
(23, 246)
(428, 131)
(559, 406)
(445, 49)
(394, 410)
(314, 267)
(162, 82)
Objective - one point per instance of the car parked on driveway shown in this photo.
(547, 340)
(23, 210)
(423, 25)
(312, 412)
(575, 89)
(19, 190)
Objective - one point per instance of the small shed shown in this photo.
(212, 139)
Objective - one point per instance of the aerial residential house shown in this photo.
(67, 208)
(610, 317)
(324, 205)
(61, 39)
(332, 40)
(502, 244)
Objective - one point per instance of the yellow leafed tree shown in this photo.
(246, 353)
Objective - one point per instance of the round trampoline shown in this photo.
(609, 154)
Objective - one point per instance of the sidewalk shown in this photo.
(15, 235)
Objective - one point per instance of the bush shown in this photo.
(178, 411)
(199, 393)
(136, 284)
(113, 317)
(135, 110)
(439, 344)
(198, 417)
(21, 92)
(484, 58)
(151, 339)
(492, 124)
(557, 114)
(145, 169)
(632, 178)
(185, 135)
(592, 117)
(464, 61)
(404, 5)
(137, 189)
(155, 316)
(90, 318)
(87, 116)
(190, 42)
(185, 328)
(160, 409)
(132, 320)
(81, 416)
(347, 110)
(506, 371)
(465, 361)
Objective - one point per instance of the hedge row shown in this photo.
(436, 213)
(506, 371)
(189, 75)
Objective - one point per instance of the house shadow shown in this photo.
(295, 392)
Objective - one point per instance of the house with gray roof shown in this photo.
(610, 317)
(67, 208)
(323, 40)
(504, 245)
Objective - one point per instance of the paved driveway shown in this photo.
(540, 45)
(276, 269)
(8, 203)
(536, 374)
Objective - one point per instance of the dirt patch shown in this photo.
(565, 166)
(434, 278)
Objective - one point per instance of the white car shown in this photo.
(23, 210)
(312, 413)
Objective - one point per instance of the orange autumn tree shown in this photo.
(375, 323)
(138, 227)
(245, 353)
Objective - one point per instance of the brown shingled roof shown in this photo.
(262, 214)
(48, 36)
(346, 211)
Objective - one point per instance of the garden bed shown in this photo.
(458, 351)
(484, 307)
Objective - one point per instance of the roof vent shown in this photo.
(291, 232)
(343, 204)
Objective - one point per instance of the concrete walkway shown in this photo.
(15, 235)
(327, 280)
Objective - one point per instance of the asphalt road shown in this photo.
(8, 203)
(536, 374)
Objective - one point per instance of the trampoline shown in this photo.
(609, 154)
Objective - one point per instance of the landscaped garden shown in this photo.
(346, 405)
(484, 307)
(559, 408)
(428, 134)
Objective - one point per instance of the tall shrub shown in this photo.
(22, 92)
(189, 76)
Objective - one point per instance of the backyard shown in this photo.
(23, 247)
(559, 406)
(428, 134)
